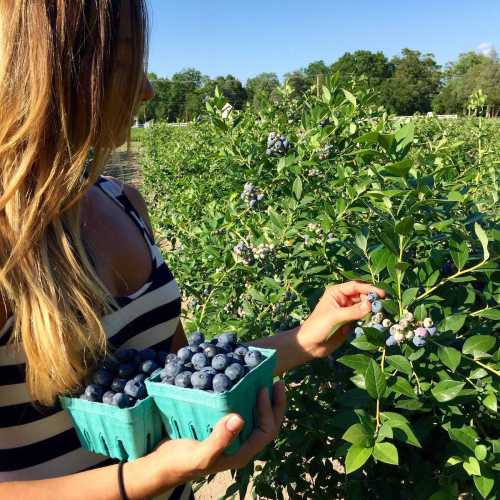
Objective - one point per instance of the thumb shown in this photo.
(224, 433)
(352, 313)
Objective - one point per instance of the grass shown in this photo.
(137, 134)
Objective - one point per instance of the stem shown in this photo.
(377, 414)
(399, 275)
(416, 378)
(212, 292)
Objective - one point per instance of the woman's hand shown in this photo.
(180, 460)
(339, 306)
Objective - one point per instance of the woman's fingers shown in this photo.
(358, 288)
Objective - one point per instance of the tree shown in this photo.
(298, 81)
(261, 88)
(374, 65)
(414, 84)
(313, 70)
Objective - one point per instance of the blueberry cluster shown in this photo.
(325, 151)
(277, 145)
(251, 195)
(405, 330)
(248, 254)
(323, 123)
(313, 172)
(317, 235)
(119, 379)
(213, 366)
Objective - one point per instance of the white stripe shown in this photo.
(45, 428)
(14, 394)
(115, 321)
(69, 463)
(112, 323)
(153, 335)
(7, 325)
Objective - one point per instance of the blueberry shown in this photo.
(199, 360)
(184, 354)
(253, 358)
(124, 355)
(201, 380)
(118, 384)
(372, 297)
(147, 354)
(183, 379)
(358, 331)
(210, 351)
(94, 392)
(195, 349)
(168, 380)
(204, 345)
(210, 370)
(390, 341)
(107, 397)
(224, 348)
(171, 357)
(234, 372)
(141, 377)
(102, 377)
(221, 383)
(109, 364)
(419, 341)
(421, 332)
(121, 400)
(378, 326)
(173, 369)
(196, 338)
(220, 362)
(136, 389)
(431, 330)
(126, 370)
(376, 306)
(227, 338)
(241, 350)
(161, 358)
(149, 367)
(236, 358)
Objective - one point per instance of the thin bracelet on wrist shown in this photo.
(121, 485)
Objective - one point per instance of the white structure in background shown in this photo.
(148, 124)
(226, 110)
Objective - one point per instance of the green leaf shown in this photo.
(490, 401)
(386, 452)
(358, 435)
(478, 344)
(405, 434)
(297, 187)
(471, 466)
(402, 386)
(400, 168)
(465, 436)
(491, 313)
(375, 380)
(363, 344)
(350, 97)
(481, 452)
(452, 323)
(400, 362)
(358, 362)
(450, 357)
(483, 239)
(356, 457)
(484, 485)
(385, 432)
(447, 390)
(327, 95)
(405, 226)
(361, 241)
(459, 253)
(409, 296)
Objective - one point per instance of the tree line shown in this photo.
(409, 83)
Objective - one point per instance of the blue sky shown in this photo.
(219, 37)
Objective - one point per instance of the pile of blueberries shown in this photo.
(213, 366)
(119, 379)
(405, 330)
(277, 145)
(251, 195)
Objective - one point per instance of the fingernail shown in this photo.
(233, 424)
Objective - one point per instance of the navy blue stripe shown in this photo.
(163, 345)
(146, 321)
(37, 453)
(122, 198)
(25, 413)
(177, 493)
(12, 374)
(6, 336)
(104, 463)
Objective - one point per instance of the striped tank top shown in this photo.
(40, 443)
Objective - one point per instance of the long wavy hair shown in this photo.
(63, 98)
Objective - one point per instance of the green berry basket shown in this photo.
(192, 413)
(122, 433)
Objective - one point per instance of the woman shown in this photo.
(73, 263)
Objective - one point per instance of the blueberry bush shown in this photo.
(258, 212)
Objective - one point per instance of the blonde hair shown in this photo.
(61, 97)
